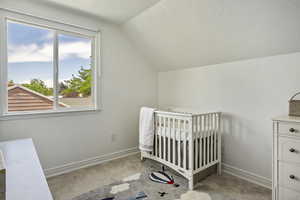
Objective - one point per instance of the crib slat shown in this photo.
(199, 157)
(208, 138)
(211, 138)
(219, 144)
(205, 140)
(191, 159)
(219, 137)
(156, 136)
(164, 138)
(215, 137)
(178, 142)
(174, 141)
(184, 143)
(208, 141)
(196, 126)
(169, 139)
(200, 141)
(160, 137)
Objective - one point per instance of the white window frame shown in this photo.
(57, 28)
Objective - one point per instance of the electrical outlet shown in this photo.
(114, 137)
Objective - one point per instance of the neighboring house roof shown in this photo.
(23, 99)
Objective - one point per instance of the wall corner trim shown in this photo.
(248, 176)
(63, 169)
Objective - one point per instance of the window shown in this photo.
(48, 68)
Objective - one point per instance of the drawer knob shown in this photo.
(292, 130)
(292, 177)
(292, 150)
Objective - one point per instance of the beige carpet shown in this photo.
(68, 186)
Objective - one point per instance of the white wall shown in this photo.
(249, 93)
(128, 83)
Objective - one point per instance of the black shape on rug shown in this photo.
(162, 194)
(140, 195)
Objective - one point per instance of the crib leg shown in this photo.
(191, 184)
(219, 168)
(191, 181)
(142, 156)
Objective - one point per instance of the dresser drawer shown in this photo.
(289, 129)
(289, 150)
(289, 176)
(287, 194)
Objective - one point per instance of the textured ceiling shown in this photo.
(117, 11)
(175, 34)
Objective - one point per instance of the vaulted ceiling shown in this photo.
(116, 11)
(175, 34)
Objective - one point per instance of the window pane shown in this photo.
(75, 75)
(30, 68)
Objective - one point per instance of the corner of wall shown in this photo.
(148, 62)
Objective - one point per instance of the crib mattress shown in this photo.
(178, 135)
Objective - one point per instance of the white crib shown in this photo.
(187, 143)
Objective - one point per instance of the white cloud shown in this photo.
(47, 82)
(35, 53)
(78, 49)
(29, 53)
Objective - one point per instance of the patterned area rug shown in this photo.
(131, 187)
(213, 187)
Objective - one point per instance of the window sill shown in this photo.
(51, 113)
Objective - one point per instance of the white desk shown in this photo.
(25, 179)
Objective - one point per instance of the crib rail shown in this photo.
(173, 113)
(207, 140)
(171, 138)
(186, 140)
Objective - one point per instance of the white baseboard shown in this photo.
(248, 176)
(243, 174)
(63, 169)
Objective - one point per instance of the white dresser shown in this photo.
(25, 179)
(286, 158)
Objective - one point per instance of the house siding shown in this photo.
(22, 100)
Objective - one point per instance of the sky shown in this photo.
(30, 54)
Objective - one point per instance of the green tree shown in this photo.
(62, 87)
(11, 83)
(79, 85)
(39, 86)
